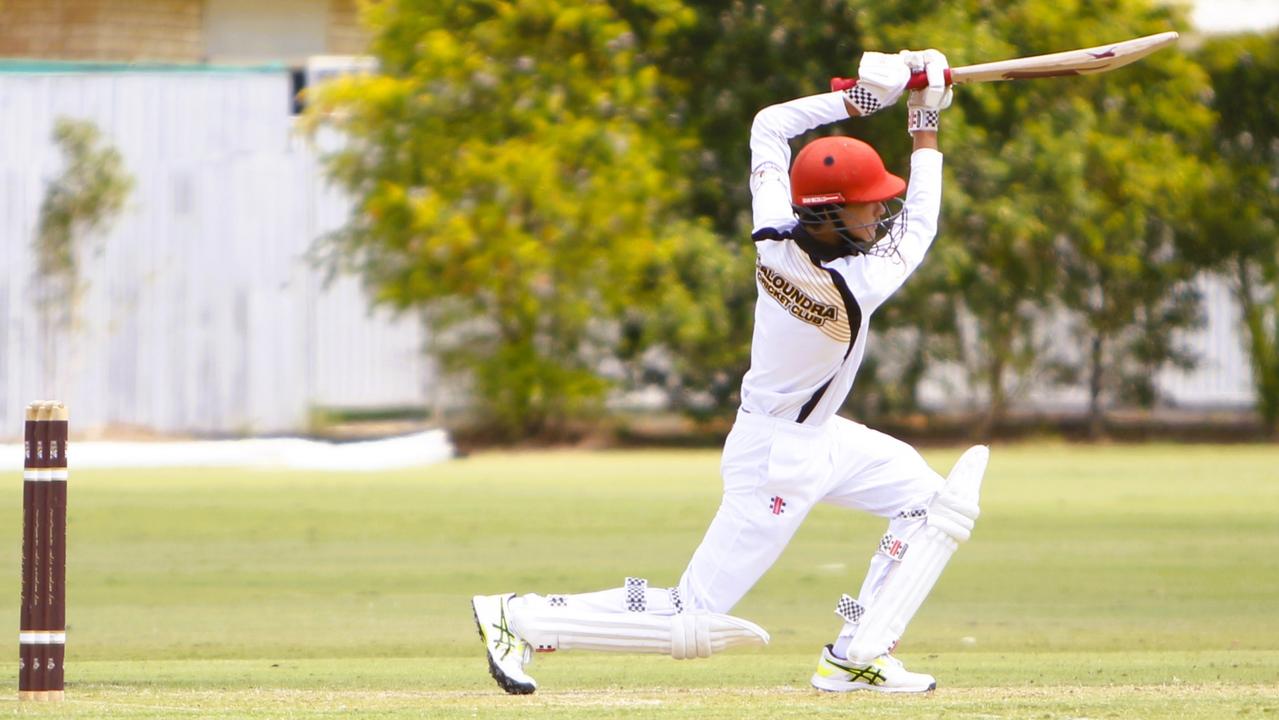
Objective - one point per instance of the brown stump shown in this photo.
(42, 632)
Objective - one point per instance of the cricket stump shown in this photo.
(42, 620)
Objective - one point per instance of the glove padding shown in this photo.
(937, 95)
(919, 116)
(881, 78)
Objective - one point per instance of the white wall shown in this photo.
(1221, 379)
(201, 314)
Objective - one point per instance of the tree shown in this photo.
(736, 59)
(729, 61)
(516, 178)
(1056, 191)
(1243, 230)
(1130, 175)
(694, 347)
(84, 199)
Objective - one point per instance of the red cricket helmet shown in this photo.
(839, 170)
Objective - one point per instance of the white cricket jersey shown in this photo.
(811, 317)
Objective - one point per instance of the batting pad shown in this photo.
(685, 635)
(950, 522)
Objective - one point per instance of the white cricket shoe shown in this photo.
(507, 652)
(883, 674)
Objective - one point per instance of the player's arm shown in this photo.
(926, 140)
(881, 276)
(882, 78)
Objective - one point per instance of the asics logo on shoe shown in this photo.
(869, 674)
(506, 640)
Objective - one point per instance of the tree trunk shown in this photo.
(1262, 349)
(1096, 414)
(912, 376)
(998, 400)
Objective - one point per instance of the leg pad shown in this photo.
(950, 521)
(695, 634)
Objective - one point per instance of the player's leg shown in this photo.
(774, 472)
(764, 503)
(885, 476)
(633, 618)
(948, 522)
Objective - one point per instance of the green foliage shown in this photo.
(731, 61)
(1244, 217)
(91, 190)
(517, 181)
(737, 58)
(695, 345)
(559, 189)
(1062, 194)
(1128, 144)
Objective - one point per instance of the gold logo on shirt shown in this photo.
(792, 299)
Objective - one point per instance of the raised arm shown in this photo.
(881, 276)
(771, 132)
(881, 79)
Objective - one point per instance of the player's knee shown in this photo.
(953, 515)
(955, 509)
(914, 507)
(695, 599)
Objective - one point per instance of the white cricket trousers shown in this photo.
(774, 471)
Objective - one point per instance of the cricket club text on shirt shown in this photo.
(790, 297)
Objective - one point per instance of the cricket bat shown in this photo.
(1086, 61)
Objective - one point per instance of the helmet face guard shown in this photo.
(889, 229)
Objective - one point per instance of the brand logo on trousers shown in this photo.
(777, 505)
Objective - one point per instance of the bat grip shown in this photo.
(918, 81)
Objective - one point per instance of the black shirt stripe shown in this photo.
(854, 327)
(850, 306)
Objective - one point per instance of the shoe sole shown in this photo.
(510, 686)
(835, 686)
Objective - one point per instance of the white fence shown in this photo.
(202, 315)
(1221, 380)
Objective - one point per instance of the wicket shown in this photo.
(42, 633)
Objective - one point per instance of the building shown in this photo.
(234, 32)
(202, 313)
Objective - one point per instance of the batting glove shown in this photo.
(881, 78)
(919, 116)
(923, 108)
(937, 95)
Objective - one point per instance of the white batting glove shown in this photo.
(937, 95)
(881, 78)
(919, 116)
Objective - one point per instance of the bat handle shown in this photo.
(918, 81)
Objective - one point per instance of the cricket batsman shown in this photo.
(834, 240)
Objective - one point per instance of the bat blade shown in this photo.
(1085, 61)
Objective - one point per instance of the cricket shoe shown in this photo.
(507, 652)
(883, 674)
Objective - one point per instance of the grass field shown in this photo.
(1101, 582)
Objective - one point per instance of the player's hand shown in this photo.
(881, 78)
(923, 107)
(937, 95)
(921, 116)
